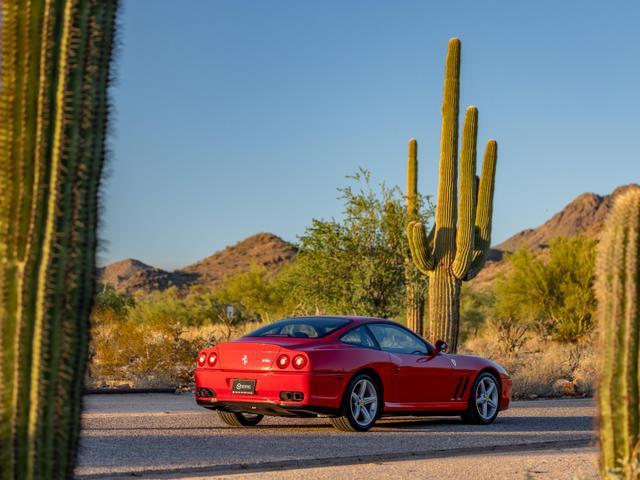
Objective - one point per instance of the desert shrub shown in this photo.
(254, 295)
(476, 306)
(108, 299)
(356, 264)
(540, 367)
(143, 355)
(154, 341)
(509, 335)
(554, 294)
(166, 308)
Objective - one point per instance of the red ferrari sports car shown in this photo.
(350, 369)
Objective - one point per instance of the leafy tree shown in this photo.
(476, 306)
(108, 299)
(253, 292)
(555, 293)
(355, 265)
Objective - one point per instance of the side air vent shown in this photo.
(461, 388)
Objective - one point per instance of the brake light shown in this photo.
(299, 361)
(201, 359)
(283, 361)
(213, 358)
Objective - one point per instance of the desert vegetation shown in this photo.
(536, 318)
(353, 266)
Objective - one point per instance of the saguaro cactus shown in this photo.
(53, 110)
(618, 293)
(457, 247)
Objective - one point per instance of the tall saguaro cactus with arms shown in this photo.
(456, 248)
(53, 110)
(618, 293)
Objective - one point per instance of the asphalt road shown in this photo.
(168, 436)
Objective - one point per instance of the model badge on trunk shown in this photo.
(245, 359)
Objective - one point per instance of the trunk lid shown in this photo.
(247, 356)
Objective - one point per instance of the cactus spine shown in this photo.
(618, 293)
(415, 291)
(53, 109)
(457, 247)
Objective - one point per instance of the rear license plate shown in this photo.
(244, 387)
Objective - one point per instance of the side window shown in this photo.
(358, 336)
(397, 340)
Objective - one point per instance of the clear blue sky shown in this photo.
(234, 117)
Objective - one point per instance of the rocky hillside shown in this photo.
(584, 215)
(265, 249)
(134, 277)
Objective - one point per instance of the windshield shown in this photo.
(305, 327)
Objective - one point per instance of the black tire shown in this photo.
(347, 422)
(234, 419)
(474, 415)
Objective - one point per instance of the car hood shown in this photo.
(477, 362)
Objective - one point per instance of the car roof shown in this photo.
(354, 318)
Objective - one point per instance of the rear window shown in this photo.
(306, 327)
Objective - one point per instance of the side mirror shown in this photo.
(441, 346)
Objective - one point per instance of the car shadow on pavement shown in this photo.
(421, 424)
(507, 424)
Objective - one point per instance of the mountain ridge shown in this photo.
(131, 276)
(585, 215)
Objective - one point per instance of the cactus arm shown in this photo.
(412, 180)
(420, 245)
(447, 182)
(467, 209)
(484, 210)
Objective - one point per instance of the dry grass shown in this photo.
(144, 356)
(542, 368)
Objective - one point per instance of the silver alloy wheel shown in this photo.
(364, 402)
(487, 398)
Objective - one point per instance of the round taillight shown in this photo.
(213, 358)
(299, 361)
(283, 361)
(201, 359)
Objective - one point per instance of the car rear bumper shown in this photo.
(267, 408)
(321, 393)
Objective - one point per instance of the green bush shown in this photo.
(554, 294)
(357, 264)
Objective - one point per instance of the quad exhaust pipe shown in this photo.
(292, 396)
